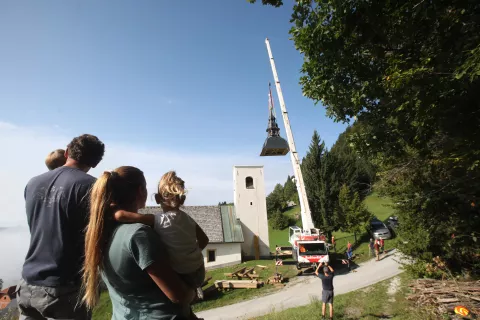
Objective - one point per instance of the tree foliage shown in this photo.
(408, 71)
(325, 172)
(274, 3)
(316, 177)
(290, 190)
(356, 171)
(1, 284)
(279, 221)
(276, 200)
(355, 216)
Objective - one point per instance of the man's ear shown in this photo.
(158, 198)
(66, 153)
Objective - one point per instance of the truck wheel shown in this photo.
(298, 267)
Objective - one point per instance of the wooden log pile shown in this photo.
(238, 284)
(443, 296)
(244, 273)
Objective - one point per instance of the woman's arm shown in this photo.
(132, 217)
(202, 238)
(170, 283)
(147, 251)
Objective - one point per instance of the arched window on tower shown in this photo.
(249, 183)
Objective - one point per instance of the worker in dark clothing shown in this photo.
(326, 276)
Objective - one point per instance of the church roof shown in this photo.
(218, 222)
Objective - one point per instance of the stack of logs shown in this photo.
(246, 279)
(243, 278)
(444, 296)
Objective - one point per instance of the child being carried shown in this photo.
(181, 235)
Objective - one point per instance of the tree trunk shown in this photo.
(355, 235)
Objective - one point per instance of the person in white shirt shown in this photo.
(181, 235)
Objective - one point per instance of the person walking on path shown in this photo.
(376, 247)
(56, 204)
(334, 244)
(371, 247)
(382, 246)
(327, 287)
(349, 246)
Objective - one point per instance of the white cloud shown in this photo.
(208, 176)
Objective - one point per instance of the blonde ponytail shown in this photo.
(117, 189)
(100, 200)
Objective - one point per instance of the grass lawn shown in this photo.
(223, 298)
(103, 311)
(384, 300)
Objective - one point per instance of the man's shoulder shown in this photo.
(64, 175)
(78, 176)
(41, 177)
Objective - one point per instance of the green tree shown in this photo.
(316, 171)
(408, 71)
(275, 200)
(279, 221)
(1, 284)
(353, 211)
(356, 171)
(290, 190)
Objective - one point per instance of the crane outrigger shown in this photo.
(309, 245)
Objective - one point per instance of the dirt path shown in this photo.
(302, 292)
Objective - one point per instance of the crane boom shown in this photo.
(302, 194)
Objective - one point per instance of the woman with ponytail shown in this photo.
(129, 257)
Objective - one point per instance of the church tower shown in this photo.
(251, 209)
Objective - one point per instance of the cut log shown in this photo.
(239, 270)
(236, 284)
(447, 300)
(247, 271)
(262, 267)
(234, 275)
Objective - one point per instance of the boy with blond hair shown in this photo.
(55, 159)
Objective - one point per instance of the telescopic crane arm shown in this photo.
(302, 194)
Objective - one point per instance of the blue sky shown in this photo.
(183, 77)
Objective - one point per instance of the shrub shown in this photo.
(279, 221)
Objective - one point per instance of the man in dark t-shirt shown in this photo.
(326, 276)
(56, 204)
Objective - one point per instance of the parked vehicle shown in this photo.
(392, 223)
(379, 230)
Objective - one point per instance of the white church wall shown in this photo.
(225, 254)
(251, 208)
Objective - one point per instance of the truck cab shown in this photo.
(309, 247)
